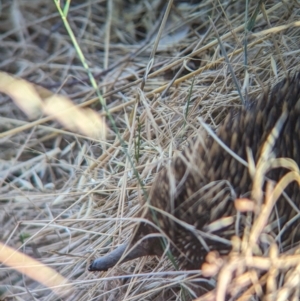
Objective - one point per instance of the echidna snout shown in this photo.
(149, 246)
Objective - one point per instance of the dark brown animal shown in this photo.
(192, 201)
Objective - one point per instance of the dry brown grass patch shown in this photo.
(66, 198)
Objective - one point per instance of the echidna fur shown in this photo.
(199, 187)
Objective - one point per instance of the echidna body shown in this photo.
(192, 200)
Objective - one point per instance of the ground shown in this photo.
(68, 195)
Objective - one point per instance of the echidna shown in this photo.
(192, 200)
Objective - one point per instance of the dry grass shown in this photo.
(66, 198)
